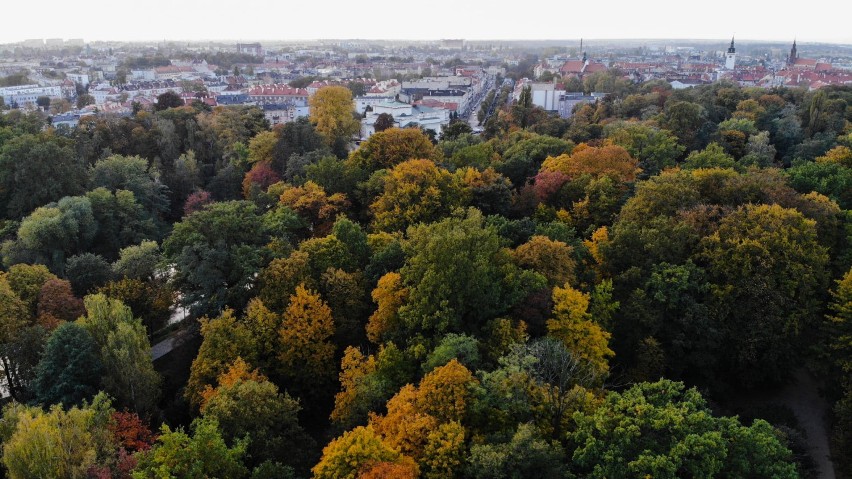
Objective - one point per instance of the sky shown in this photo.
(92, 20)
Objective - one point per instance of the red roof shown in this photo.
(578, 66)
(805, 62)
(572, 66)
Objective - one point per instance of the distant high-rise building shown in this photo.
(250, 48)
(731, 56)
(452, 44)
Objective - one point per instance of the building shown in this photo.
(278, 95)
(24, 95)
(581, 67)
(143, 75)
(731, 56)
(250, 49)
(452, 44)
(362, 102)
(279, 114)
(567, 101)
(81, 78)
(406, 116)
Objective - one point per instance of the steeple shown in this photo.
(731, 56)
(793, 54)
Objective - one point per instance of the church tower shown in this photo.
(793, 55)
(731, 56)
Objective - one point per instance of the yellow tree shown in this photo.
(280, 278)
(390, 470)
(225, 339)
(355, 451)
(311, 202)
(573, 325)
(405, 427)
(306, 352)
(446, 391)
(445, 451)
(553, 259)
(331, 113)
(261, 147)
(391, 147)
(238, 371)
(415, 191)
(389, 295)
(354, 367)
(609, 160)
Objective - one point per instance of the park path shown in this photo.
(801, 395)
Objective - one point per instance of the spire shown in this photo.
(732, 49)
(793, 54)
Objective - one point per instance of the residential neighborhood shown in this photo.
(420, 84)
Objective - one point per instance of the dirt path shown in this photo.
(811, 410)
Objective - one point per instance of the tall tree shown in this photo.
(38, 169)
(129, 374)
(216, 253)
(306, 351)
(331, 113)
(70, 370)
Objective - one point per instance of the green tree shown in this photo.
(768, 272)
(140, 261)
(125, 352)
(527, 454)
(383, 122)
(663, 430)
(36, 170)
(120, 221)
(202, 455)
(253, 408)
(70, 370)
(168, 100)
(713, 156)
(216, 253)
(87, 272)
(53, 232)
(685, 120)
(131, 173)
(656, 149)
(523, 159)
(830, 179)
(458, 250)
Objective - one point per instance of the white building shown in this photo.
(406, 116)
(28, 94)
(81, 78)
(362, 102)
(143, 75)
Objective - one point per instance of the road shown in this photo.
(473, 107)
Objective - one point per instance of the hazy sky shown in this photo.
(809, 21)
